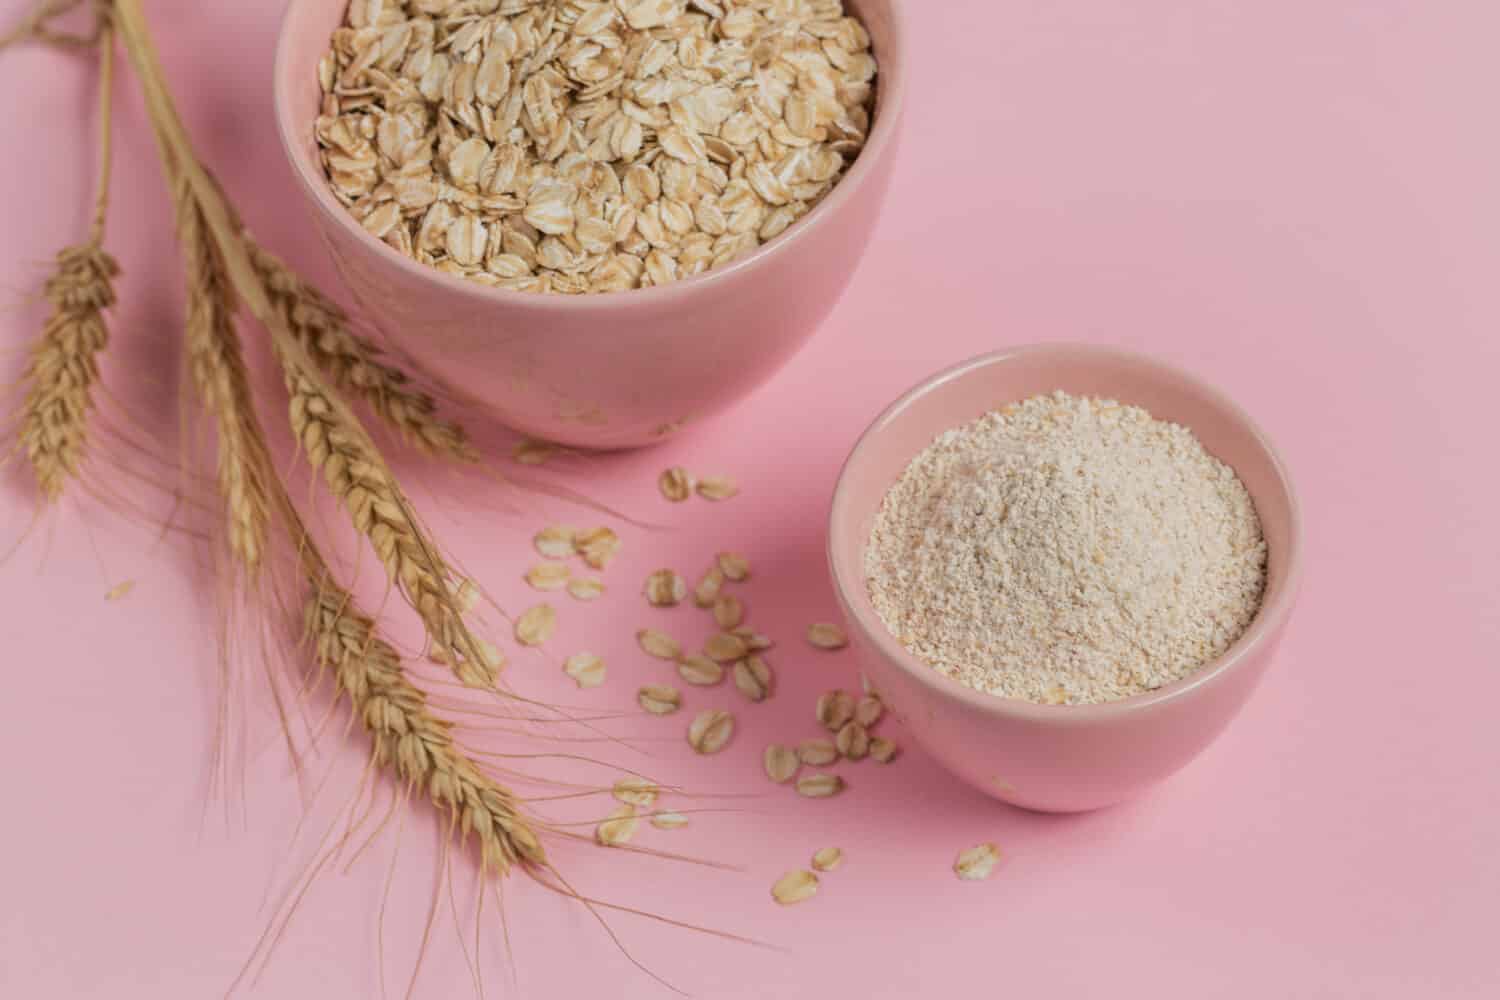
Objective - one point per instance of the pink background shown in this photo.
(1298, 201)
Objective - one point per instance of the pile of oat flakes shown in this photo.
(580, 146)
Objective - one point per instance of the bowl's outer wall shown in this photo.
(628, 373)
(1059, 758)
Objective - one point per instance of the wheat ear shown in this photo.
(408, 736)
(355, 364)
(375, 503)
(64, 361)
(218, 369)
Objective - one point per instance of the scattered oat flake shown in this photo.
(618, 828)
(753, 678)
(532, 452)
(698, 669)
(883, 751)
(536, 626)
(817, 753)
(781, 763)
(794, 887)
(586, 588)
(827, 859)
(977, 862)
(676, 484)
(835, 708)
(548, 576)
(119, 591)
(597, 546)
(820, 786)
(658, 644)
(665, 589)
(734, 566)
(585, 668)
(729, 612)
(756, 641)
(717, 488)
(707, 591)
(658, 699)
(826, 635)
(853, 741)
(725, 647)
(636, 792)
(555, 542)
(669, 820)
(868, 711)
(711, 731)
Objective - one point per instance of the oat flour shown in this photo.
(1067, 550)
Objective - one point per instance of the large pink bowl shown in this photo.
(1062, 758)
(604, 371)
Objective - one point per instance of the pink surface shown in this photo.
(1069, 758)
(1297, 201)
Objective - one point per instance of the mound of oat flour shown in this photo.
(1067, 550)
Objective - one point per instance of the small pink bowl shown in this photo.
(1061, 758)
(600, 371)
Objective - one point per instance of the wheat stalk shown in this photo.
(354, 363)
(64, 361)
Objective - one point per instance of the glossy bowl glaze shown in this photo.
(1063, 758)
(602, 371)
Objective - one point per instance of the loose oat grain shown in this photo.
(586, 588)
(697, 669)
(717, 488)
(753, 678)
(665, 589)
(817, 753)
(536, 625)
(820, 786)
(676, 484)
(548, 576)
(658, 644)
(976, 863)
(795, 887)
(826, 635)
(781, 763)
(835, 708)
(711, 731)
(555, 541)
(658, 699)
(586, 669)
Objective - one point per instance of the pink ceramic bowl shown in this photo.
(1062, 758)
(604, 371)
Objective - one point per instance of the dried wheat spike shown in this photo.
(354, 363)
(408, 736)
(64, 366)
(218, 369)
(359, 479)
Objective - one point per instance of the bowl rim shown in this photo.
(1264, 629)
(878, 146)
